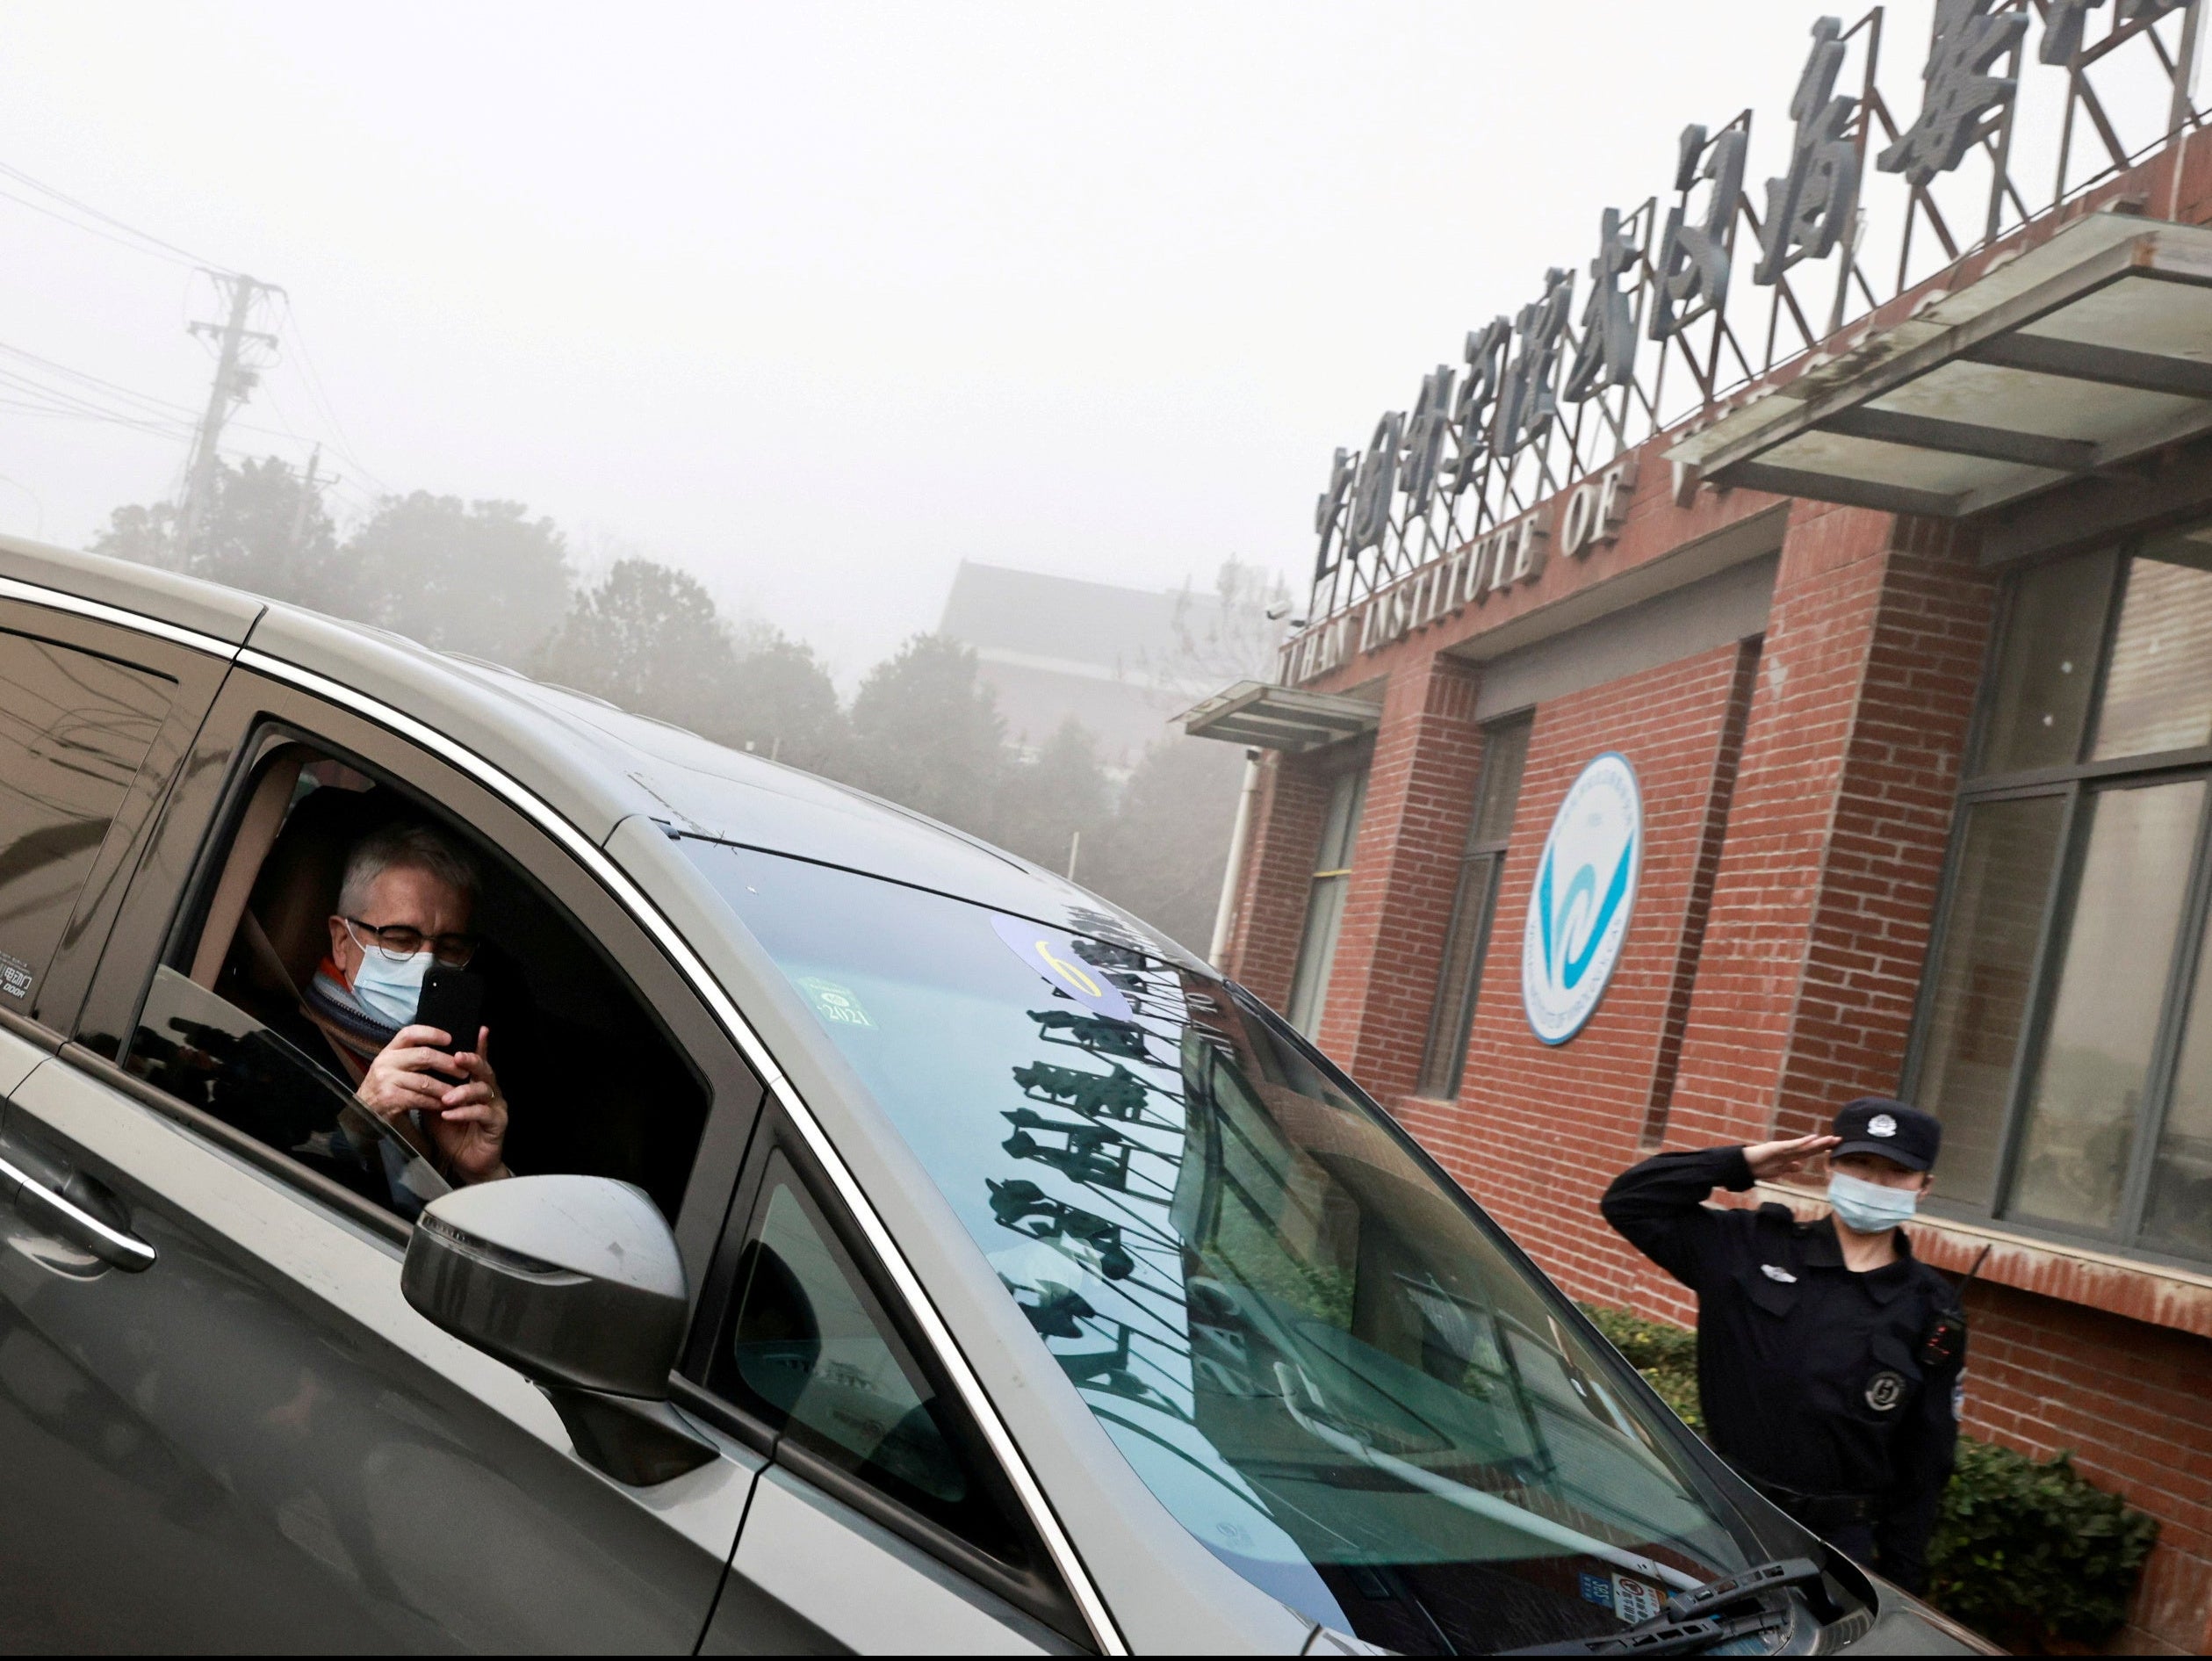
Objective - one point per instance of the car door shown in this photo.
(882, 1522)
(221, 1424)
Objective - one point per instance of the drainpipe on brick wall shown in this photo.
(1225, 914)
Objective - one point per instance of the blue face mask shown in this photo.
(391, 987)
(1870, 1207)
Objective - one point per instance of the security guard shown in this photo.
(1828, 1357)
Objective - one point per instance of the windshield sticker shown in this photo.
(1634, 1600)
(1059, 957)
(834, 1003)
(15, 977)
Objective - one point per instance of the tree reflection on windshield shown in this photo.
(1306, 1346)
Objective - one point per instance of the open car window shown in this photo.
(1327, 1366)
(230, 1024)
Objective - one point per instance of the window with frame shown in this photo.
(75, 729)
(239, 1023)
(1325, 900)
(2065, 1035)
(1505, 750)
(809, 1353)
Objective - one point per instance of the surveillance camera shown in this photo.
(1277, 613)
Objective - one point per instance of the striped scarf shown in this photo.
(357, 1031)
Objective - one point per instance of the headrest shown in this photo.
(298, 888)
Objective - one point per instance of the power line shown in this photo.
(147, 400)
(144, 412)
(145, 241)
(311, 379)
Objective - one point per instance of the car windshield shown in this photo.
(1327, 1364)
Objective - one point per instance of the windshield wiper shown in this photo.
(1691, 1620)
(1669, 1637)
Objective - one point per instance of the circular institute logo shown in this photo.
(1585, 890)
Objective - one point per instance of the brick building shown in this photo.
(1920, 716)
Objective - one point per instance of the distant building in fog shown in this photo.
(1056, 646)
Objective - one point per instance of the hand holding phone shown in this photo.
(453, 1002)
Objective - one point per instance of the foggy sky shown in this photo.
(816, 301)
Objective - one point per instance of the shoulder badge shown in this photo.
(1885, 1391)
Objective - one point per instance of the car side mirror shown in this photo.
(575, 1281)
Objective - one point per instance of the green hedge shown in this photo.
(1665, 1355)
(2031, 1552)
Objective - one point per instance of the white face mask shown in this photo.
(1871, 1207)
(391, 987)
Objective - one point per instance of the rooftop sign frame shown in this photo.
(1664, 332)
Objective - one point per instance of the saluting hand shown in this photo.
(1770, 1159)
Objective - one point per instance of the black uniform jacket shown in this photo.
(1810, 1375)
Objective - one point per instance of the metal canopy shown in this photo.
(2070, 359)
(1279, 717)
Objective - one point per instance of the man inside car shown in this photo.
(404, 905)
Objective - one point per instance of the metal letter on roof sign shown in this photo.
(1329, 508)
(1960, 94)
(1606, 357)
(1471, 411)
(1425, 430)
(1693, 258)
(1809, 206)
(1529, 396)
(1378, 481)
(2062, 29)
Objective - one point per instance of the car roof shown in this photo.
(594, 763)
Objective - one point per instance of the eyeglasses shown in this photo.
(399, 942)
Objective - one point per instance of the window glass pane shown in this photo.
(1325, 902)
(1324, 1362)
(213, 1054)
(2158, 689)
(1341, 830)
(1979, 996)
(74, 731)
(1445, 1065)
(1317, 952)
(2179, 1217)
(809, 1351)
(2119, 953)
(2040, 686)
(1504, 752)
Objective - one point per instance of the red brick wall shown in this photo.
(1279, 868)
(1569, 1118)
(1719, 797)
(1820, 913)
(2134, 1403)
(1405, 864)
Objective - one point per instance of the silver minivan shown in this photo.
(905, 1249)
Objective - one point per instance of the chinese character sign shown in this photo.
(1970, 37)
(1808, 207)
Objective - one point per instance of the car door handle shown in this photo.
(65, 1216)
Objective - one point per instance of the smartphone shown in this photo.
(452, 1001)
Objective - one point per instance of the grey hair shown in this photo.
(407, 844)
